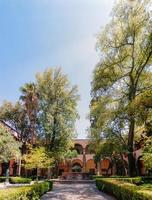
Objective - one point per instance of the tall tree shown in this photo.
(30, 99)
(58, 102)
(15, 115)
(37, 158)
(9, 147)
(126, 48)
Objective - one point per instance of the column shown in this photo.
(84, 161)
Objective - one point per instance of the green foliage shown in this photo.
(45, 113)
(2, 179)
(58, 101)
(147, 153)
(16, 116)
(33, 192)
(29, 98)
(123, 190)
(70, 154)
(122, 75)
(15, 180)
(37, 158)
(7, 150)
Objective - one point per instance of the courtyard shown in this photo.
(76, 100)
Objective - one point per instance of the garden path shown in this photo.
(75, 192)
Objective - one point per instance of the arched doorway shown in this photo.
(105, 166)
(77, 165)
(90, 166)
(78, 148)
(140, 166)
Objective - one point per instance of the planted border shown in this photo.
(15, 180)
(123, 190)
(27, 192)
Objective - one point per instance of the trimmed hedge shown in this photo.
(139, 180)
(134, 180)
(19, 180)
(2, 179)
(123, 190)
(97, 176)
(33, 192)
(15, 180)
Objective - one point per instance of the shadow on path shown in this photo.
(75, 192)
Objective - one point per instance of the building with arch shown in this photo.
(84, 162)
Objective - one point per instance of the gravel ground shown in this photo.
(75, 192)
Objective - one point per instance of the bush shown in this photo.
(33, 192)
(2, 179)
(19, 180)
(97, 176)
(16, 180)
(134, 180)
(123, 190)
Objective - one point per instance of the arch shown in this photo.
(77, 161)
(121, 167)
(78, 148)
(105, 166)
(77, 165)
(89, 150)
(140, 166)
(90, 166)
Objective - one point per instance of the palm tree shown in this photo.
(30, 100)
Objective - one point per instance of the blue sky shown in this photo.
(37, 34)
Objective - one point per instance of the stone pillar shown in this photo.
(84, 161)
(98, 168)
(18, 172)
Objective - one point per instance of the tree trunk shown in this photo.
(98, 168)
(131, 162)
(54, 133)
(37, 173)
(7, 173)
(48, 173)
(19, 167)
(123, 162)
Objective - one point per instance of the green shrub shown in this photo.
(134, 180)
(97, 176)
(16, 180)
(19, 180)
(33, 192)
(2, 179)
(147, 179)
(123, 190)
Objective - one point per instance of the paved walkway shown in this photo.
(75, 192)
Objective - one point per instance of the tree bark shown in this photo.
(131, 162)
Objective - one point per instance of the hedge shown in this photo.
(123, 190)
(16, 180)
(2, 179)
(139, 180)
(33, 192)
(19, 180)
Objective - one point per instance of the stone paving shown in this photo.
(75, 192)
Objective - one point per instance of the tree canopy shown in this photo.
(46, 112)
(9, 146)
(57, 102)
(123, 73)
